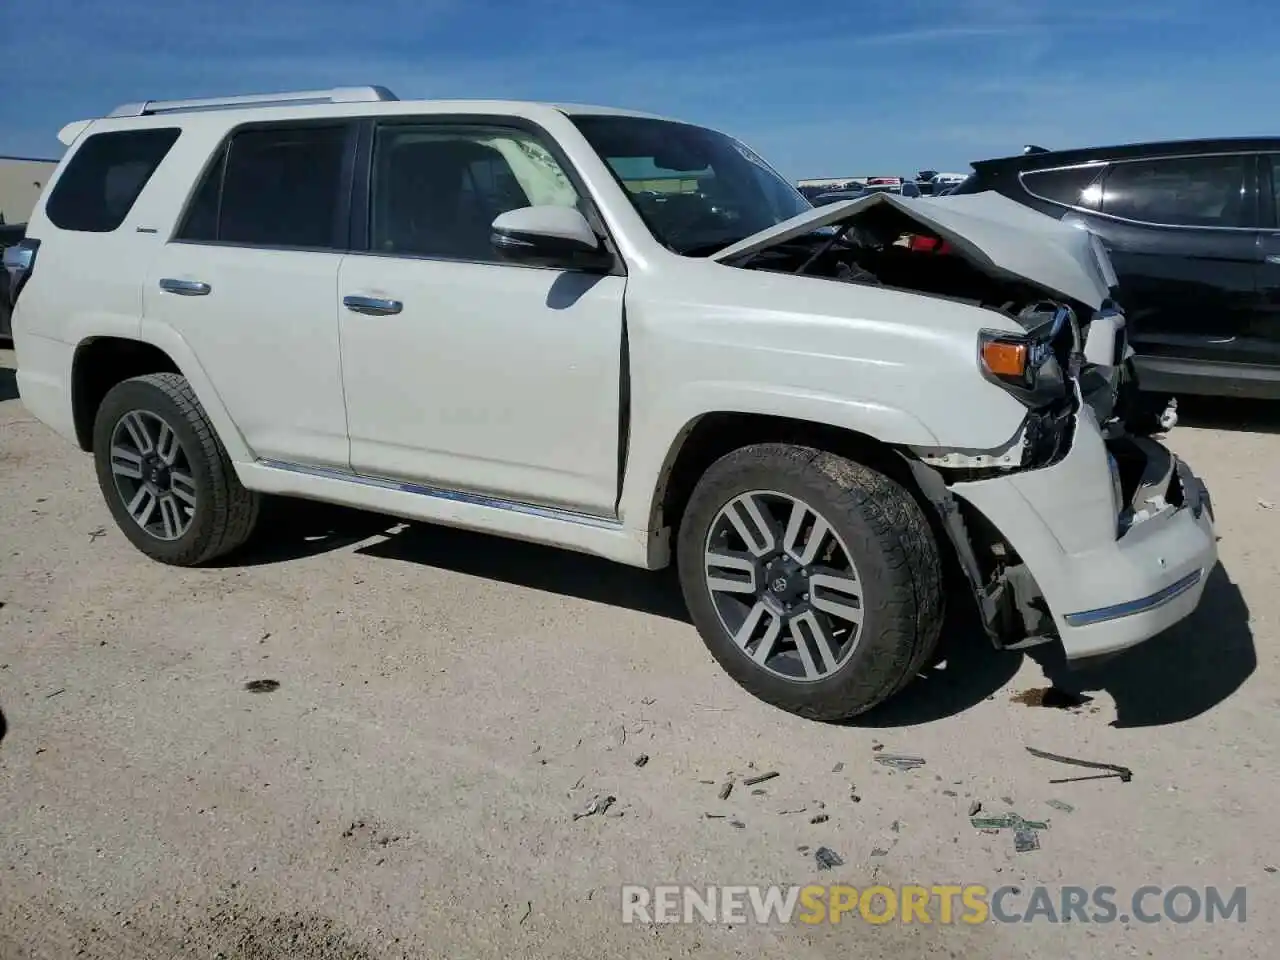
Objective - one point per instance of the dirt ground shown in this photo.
(446, 702)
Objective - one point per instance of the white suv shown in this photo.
(609, 332)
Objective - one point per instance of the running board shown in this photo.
(452, 496)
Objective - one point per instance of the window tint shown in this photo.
(274, 187)
(1275, 185)
(1191, 191)
(438, 189)
(1069, 186)
(105, 177)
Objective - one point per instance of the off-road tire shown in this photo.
(226, 512)
(895, 553)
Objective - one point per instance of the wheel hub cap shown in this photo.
(784, 585)
(152, 474)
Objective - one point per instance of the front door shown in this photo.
(463, 372)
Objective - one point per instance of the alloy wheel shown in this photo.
(152, 474)
(784, 585)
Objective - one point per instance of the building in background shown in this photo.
(21, 180)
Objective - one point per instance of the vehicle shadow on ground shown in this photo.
(1178, 675)
(1229, 413)
(536, 567)
(8, 384)
(1184, 672)
(291, 529)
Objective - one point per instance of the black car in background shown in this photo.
(10, 233)
(1193, 232)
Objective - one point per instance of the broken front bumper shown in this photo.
(1104, 592)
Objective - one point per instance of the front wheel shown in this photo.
(815, 581)
(166, 477)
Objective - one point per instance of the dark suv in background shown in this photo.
(10, 233)
(1192, 230)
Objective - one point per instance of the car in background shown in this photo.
(1193, 231)
(838, 196)
(10, 234)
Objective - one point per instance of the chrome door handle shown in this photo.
(372, 306)
(185, 288)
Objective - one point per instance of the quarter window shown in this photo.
(1187, 192)
(437, 189)
(105, 177)
(274, 187)
(1072, 186)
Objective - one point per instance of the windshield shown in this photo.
(697, 190)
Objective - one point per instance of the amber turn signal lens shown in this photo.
(1005, 359)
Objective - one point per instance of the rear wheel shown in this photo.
(165, 475)
(815, 581)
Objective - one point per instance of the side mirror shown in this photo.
(549, 237)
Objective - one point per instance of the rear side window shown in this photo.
(274, 187)
(1183, 191)
(104, 178)
(1070, 186)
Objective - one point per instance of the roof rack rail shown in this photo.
(297, 97)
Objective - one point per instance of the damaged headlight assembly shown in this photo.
(1031, 365)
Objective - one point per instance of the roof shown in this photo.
(1155, 148)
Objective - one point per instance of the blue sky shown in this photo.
(847, 88)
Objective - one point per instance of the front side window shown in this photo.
(438, 188)
(697, 190)
(1185, 191)
(274, 187)
(105, 177)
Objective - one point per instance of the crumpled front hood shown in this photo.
(994, 232)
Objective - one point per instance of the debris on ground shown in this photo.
(975, 808)
(877, 747)
(262, 686)
(1008, 801)
(950, 793)
(598, 804)
(648, 701)
(1054, 698)
(726, 788)
(898, 762)
(1008, 821)
(641, 760)
(528, 909)
(879, 852)
(1123, 773)
(819, 818)
(95, 534)
(1265, 504)
(50, 696)
(1061, 805)
(826, 858)
(838, 767)
(896, 826)
(759, 778)
(853, 794)
(784, 813)
(737, 823)
(1269, 869)
(760, 792)
(715, 816)
(1025, 841)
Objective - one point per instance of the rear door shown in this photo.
(1182, 233)
(249, 281)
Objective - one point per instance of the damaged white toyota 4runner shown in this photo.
(616, 334)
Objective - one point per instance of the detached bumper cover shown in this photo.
(1104, 593)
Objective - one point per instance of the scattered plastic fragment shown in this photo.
(879, 852)
(1025, 840)
(1061, 805)
(899, 762)
(827, 858)
(838, 767)
(819, 818)
(262, 686)
(759, 778)
(726, 788)
(1008, 821)
(975, 808)
(598, 804)
(1265, 504)
(641, 760)
(737, 823)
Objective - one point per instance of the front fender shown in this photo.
(658, 434)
